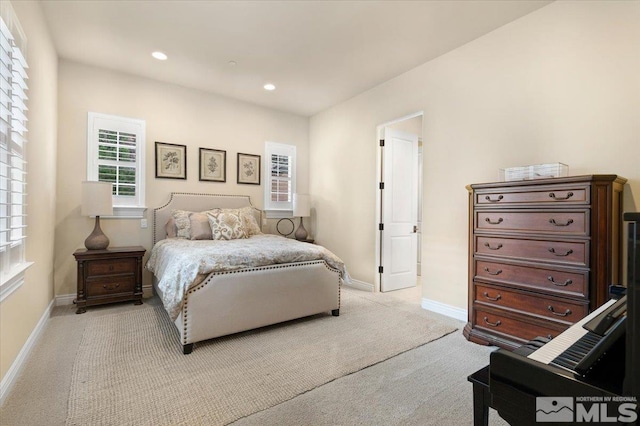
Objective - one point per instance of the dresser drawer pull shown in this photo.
(488, 198)
(112, 287)
(564, 284)
(492, 324)
(498, 222)
(498, 247)
(493, 299)
(567, 253)
(554, 223)
(553, 195)
(498, 272)
(560, 314)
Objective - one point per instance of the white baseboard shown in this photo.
(444, 309)
(65, 299)
(360, 285)
(12, 374)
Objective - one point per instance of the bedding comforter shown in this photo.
(180, 264)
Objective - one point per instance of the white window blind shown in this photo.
(13, 132)
(280, 176)
(116, 155)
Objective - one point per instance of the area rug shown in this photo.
(130, 370)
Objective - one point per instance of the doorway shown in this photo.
(399, 203)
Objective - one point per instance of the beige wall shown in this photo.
(560, 84)
(173, 114)
(20, 312)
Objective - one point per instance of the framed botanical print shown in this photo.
(213, 165)
(171, 161)
(248, 169)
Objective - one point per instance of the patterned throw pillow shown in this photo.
(182, 223)
(249, 221)
(226, 224)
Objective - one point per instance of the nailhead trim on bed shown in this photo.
(238, 271)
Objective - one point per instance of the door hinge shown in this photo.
(381, 142)
(381, 227)
(381, 185)
(380, 269)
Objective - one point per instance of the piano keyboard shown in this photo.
(561, 350)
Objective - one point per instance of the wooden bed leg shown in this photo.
(335, 312)
(186, 349)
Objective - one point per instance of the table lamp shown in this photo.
(97, 200)
(301, 208)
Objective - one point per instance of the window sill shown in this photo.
(278, 214)
(127, 212)
(13, 279)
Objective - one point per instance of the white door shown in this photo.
(399, 216)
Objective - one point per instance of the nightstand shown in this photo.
(107, 276)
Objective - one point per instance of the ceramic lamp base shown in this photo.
(97, 240)
(301, 233)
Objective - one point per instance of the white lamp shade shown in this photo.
(97, 199)
(301, 205)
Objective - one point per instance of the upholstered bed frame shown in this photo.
(235, 301)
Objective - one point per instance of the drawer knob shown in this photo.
(564, 284)
(498, 222)
(560, 314)
(489, 199)
(492, 324)
(498, 272)
(498, 247)
(110, 287)
(553, 195)
(554, 223)
(493, 299)
(567, 253)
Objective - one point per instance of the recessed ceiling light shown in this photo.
(269, 86)
(159, 56)
(233, 63)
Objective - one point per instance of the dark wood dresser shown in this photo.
(107, 276)
(542, 254)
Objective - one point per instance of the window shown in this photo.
(13, 132)
(115, 154)
(280, 179)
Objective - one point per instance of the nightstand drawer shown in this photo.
(110, 286)
(111, 267)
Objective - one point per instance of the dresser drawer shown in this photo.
(574, 284)
(574, 222)
(561, 252)
(551, 194)
(533, 304)
(110, 286)
(111, 267)
(519, 329)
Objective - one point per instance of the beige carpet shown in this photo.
(115, 377)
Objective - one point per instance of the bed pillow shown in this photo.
(226, 224)
(200, 228)
(182, 223)
(249, 221)
(170, 228)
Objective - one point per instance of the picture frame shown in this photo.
(171, 161)
(248, 169)
(213, 165)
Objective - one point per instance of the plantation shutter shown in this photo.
(13, 130)
(280, 176)
(117, 161)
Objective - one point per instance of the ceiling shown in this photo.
(317, 53)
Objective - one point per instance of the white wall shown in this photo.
(560, 84)
(173, 114)
(21, 311)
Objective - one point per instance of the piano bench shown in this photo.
(481, 396)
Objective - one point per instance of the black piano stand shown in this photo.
(481, 396)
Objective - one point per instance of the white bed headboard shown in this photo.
(196, 203)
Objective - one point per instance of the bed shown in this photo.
(209, 290)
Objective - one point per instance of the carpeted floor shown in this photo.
(425, 385)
